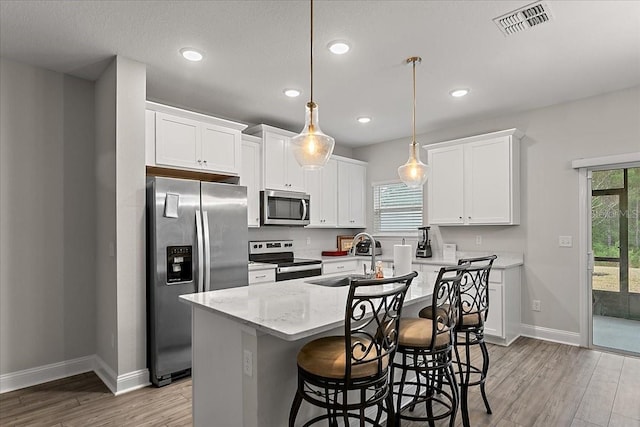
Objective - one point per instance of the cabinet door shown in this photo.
(294, 178)
(351, 195)
(357, 195)
(220, 149)
(249, 178)
(495, 319)
(446, 186)
(177, 141)
(488, 183)
(322, 187)
(274, 161)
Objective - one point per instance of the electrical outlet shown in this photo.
(565, 241)
(308, 240)
(535, 305)
(478, 240)
(247, 363)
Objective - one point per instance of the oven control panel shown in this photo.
(270, 246)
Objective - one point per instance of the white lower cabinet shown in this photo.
(494, 324)
(503, 320)
(262, 276)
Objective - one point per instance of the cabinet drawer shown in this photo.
(261, 276)
(339, 267)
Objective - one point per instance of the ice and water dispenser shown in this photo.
(179, 264)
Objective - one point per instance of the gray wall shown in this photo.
(47, 214)
(603, 125)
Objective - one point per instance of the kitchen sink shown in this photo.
(336, 281)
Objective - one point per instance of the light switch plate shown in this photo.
(565, 241)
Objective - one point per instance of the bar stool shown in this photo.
(425, 351)
(472, 313)
(343, 374)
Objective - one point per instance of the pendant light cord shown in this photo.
(413, 141)
(311, 51)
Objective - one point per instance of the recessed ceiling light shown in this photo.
(292, 93)
(338, 47)
(458, 93)
(364, 119)
(191, 54)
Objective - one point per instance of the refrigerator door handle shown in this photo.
(200, 249)
(207, 252)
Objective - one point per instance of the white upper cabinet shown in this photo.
(250, 177)
(475, 180)
(352, 182)
(322, 186)
(188, 140)
(281, 171)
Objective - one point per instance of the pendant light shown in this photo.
(414, 172)
(311, 147)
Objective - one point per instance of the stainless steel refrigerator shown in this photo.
(197, 241)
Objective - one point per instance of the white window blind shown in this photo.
(396, 207)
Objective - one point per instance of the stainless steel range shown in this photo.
(280, 252)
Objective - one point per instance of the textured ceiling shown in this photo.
(254, 49)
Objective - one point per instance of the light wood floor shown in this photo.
(531, 383)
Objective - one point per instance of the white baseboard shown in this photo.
(120, 384)
(548, 334)
(117, 384)
(46, 373)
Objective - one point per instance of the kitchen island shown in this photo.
(245, 342)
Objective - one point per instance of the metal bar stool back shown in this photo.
(474, 308)
(424, 357)
(344, 375)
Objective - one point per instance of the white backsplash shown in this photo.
(318, 239)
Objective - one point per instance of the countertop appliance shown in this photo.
(284, 208)
(363, 247)
(423, 250)
(280, 252)
(196, 241)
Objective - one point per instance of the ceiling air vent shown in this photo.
(524, 18)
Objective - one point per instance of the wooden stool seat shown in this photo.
(326, 357)
(471, 319)
(416, 332)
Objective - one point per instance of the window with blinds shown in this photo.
(396, 207)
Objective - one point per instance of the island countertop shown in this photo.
(291, 309)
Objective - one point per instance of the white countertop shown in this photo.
(503, 260)
(291, 309)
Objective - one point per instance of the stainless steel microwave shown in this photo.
(284, 208)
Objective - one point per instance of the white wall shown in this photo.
(598, 126)
(47, 214)
(120, 188)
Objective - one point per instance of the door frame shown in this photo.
(585, 167)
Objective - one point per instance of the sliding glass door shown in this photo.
(615, 235)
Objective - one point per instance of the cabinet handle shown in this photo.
(205, 162)
(199, 161)
(469, 217)
(262, 276)
(459, 217)
(339, 267)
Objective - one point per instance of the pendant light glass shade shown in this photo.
(414, 173)
(311, 147)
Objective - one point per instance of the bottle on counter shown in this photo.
(379, 273)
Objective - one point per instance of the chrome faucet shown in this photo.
(373, 252)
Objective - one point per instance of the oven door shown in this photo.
(284, 208)
(298, 272)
